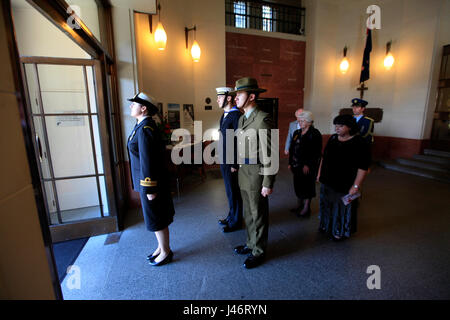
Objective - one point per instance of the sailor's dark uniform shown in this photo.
(231, 121)
(365, 125)
(149, 174)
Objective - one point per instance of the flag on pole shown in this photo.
(365, 75)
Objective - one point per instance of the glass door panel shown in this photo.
(73, 154)
(32, 84)
(98, 150)
(62, 88)
(78, 199)
(41, 147)
(70, 145)
(91, 89)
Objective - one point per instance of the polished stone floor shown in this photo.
(403, 228)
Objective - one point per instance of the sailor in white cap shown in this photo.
(229, 121)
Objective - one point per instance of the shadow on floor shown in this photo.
(66, 253)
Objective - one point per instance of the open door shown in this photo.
(440, 135)
(68, 117)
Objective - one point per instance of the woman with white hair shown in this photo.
(304, 158)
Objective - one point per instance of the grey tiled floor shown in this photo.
(403, 227)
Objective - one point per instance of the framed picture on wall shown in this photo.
(188, 116)
(173, 115)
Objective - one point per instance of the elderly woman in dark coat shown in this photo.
(304, 159)
(344, 166)
(149, 175)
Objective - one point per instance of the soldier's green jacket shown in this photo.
(251, 143)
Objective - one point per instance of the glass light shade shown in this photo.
(344, 66)
(196, 52)
(160, 37)
(389, 61)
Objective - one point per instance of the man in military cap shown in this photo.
(255, 182)
(365, 124)
(229, 166)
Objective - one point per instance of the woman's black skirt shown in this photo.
(304, 184)
(158, 213)
(337, 219)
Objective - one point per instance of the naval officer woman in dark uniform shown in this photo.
(149, 175)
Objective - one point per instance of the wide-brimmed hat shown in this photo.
(225, 90)
(249, 85)
(145, 100)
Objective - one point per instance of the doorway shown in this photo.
(70, 113)
(67, 120)
(440, 134)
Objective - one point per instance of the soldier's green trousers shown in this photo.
(256, 208)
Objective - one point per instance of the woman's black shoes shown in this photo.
(223, 222)
(295, 210)
(337, 239)
(307, 214)
(166, 260)
(152, 257)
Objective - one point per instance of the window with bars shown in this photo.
(240, 14)
(266, 16)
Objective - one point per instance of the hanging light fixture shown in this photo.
(344, 63)
(160, 34)
(389, 59)
(195, 49)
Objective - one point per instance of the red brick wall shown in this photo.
(385, 148)
(392, 148)
(277, 64)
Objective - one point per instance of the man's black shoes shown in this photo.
(227, 229)
(253, 262)
(242, 250)
(223, 222)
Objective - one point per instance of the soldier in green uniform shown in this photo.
(255, 183)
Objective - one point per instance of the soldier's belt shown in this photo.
(249, 161)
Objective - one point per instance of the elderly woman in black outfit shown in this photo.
(344, 166)
(149, 175)
(304, 159)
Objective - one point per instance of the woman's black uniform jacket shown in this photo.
(149, 174)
